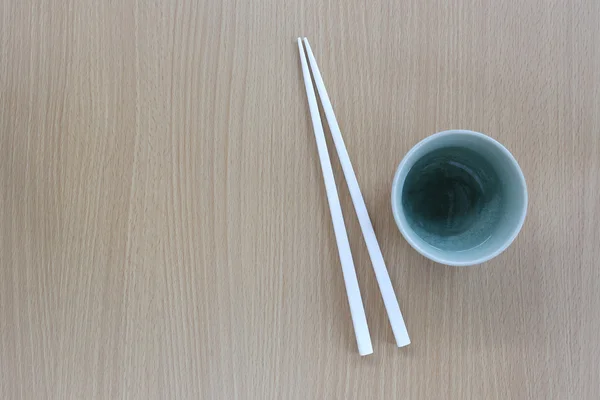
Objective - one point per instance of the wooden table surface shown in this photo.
(164, 230)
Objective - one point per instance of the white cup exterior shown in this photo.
(510, 175)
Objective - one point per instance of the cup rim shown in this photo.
(407, 232)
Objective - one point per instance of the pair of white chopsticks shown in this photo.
(359, 320)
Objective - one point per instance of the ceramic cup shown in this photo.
(459, 198)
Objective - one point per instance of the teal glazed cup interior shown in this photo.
(459, 198)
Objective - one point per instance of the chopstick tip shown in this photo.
(307, 45)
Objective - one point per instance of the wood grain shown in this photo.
(164, 231)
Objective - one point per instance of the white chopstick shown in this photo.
(383, 279)
(357, 311)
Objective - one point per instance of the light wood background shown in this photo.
(164, 226)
